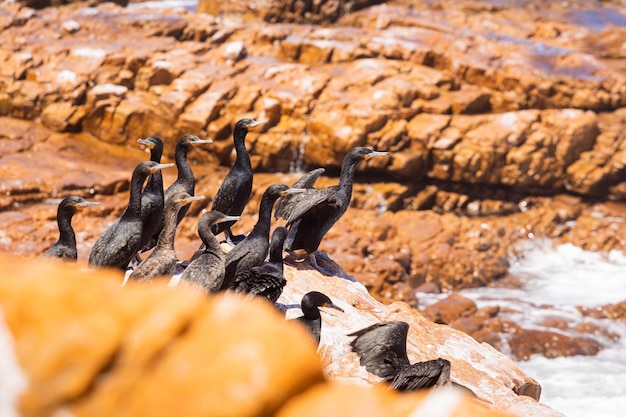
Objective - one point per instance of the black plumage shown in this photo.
(65, 246)
(120, 242)
(253, 250)
(234, 193)
(311, 317)
(382, 350)
(306, 181)
(186, 181)
(206, 269)
(162, 261)
(312, 213)
(266, 280)
(152, 197)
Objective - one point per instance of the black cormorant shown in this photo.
(234, 193)
(65, 247)
(311, 318)
(185, 182)
(162, 261)
(252, 251)
(312, 213)
(120, 242)
(152, 197)
(382, 350)
(266, 280)
(206, 269)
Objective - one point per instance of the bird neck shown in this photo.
(66, 232)
(134, 202)
(210, 242)
(346, 177)
(262, 225)
(276, 253)
(182, 164)
(155, 182)
(167, 235)
(243, 158)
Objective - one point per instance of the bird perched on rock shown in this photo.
(234, 193)
(382, 350)
(65, 247)
(120, 242)
(266, 280)
(206, 269)
(312, 213)
(253, 250)
(311, 318)
(162, 261)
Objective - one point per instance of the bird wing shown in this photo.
(308, 180)
(422, 375)
(382, 347)
(297, 205)
(264, 280)
(223, 200)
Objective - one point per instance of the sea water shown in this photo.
(556, 281)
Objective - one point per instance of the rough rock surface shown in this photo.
(252, 362)
(505, 124)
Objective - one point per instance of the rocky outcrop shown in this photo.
(505, 124)
(149, 349)
(290, 11)
(398, 82)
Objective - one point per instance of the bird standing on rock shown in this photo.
(252, 251)
(234, 193)
(266, 280)
(120, 242)
(312, 213)
(382, 350)
(206, 269)
(65, 247)
(311, 318)
(162, 261)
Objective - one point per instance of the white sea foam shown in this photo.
(563, 278)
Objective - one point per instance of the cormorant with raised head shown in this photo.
(312, 213)
(382, 350)
(65, 247)
(186, 181)
(152, 197)
(234, 193)
(266, 280)
(162, 261)
(311, 318)
(253, 250)
(206, 269)
(120, 242)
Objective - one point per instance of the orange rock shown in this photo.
(94, 348)
(343, 400)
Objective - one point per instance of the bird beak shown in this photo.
(159, 167)
(229, 219)
(255, 124)
(375, 154)
(147, 143)
(80, 206)
(189, 200)
(292, 191)
(331, 305)
(201, 142)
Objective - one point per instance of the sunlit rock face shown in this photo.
(87, 346)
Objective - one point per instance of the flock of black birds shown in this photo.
(150, 219)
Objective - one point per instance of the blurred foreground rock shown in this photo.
(86, 346)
